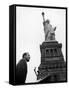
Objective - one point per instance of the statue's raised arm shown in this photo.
(43, 17)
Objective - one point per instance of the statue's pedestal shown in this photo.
(52, 62)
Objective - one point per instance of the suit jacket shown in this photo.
(21, 71)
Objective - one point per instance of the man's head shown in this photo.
(26, 56)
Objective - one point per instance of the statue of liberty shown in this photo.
(50, 53)
(48, 29)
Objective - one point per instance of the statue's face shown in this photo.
(46, 23)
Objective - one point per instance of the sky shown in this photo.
(30, 34)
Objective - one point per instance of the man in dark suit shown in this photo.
(21, 69)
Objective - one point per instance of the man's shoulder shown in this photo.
(22, 61)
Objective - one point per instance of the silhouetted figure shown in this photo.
(21, 69)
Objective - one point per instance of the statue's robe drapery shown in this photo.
(49, 32)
